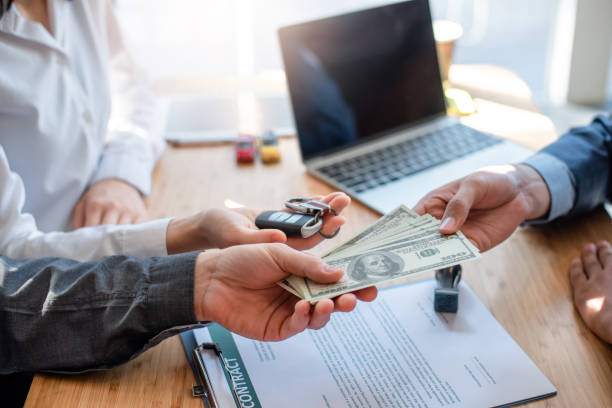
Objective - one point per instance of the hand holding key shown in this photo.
(309, 222)
(220, 228)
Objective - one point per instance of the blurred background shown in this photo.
(237, 38)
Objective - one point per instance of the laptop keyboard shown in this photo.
(391, 163)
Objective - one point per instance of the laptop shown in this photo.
(369, 107)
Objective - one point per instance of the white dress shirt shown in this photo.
(73, 111)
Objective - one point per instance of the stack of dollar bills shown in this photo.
(400, 244)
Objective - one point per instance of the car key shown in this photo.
(292, 224)
(305, 220)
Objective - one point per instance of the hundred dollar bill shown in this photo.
(416, 232)
(288, 287)
(389, 264)
(425, 236)
(394, 221)
(427, 232)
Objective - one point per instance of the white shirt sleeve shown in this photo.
(20, 238)
(133, 141)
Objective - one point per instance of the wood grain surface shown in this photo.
(524, 282)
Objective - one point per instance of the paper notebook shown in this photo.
(393, 352)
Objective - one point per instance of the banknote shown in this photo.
(393, 222)
(289, 288)
(388, 264)
(417, 231)
(400, 244)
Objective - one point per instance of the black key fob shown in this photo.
(292, 224)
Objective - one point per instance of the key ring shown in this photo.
(308, 206)
(329, 236)
(316, 208)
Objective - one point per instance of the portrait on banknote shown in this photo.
(374, 266)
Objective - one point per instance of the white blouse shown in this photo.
(73, 111)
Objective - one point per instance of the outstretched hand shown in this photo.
(489, 204)
(220, 228)
(236, 287)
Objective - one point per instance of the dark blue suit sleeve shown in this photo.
(587, 151)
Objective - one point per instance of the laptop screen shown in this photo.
(361, 75)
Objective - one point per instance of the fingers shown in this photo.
(590, 282)
(435, 201)
(298, 321)
(316, 317)
(109, 201)
(458, 208)
(604, 253)
(322, 310)
(321, 314)
(78, 216)
(591, 264)
(93, 215)
(110, 217)
(337, 201)
(252, 236)
(367, 294)
(140, 216)
(331, 224)
(582, 290)
(127, 218)
(345, 303)
(306, 316)
(576, 272)
(303, 264)
(432, 204)
(348, 301)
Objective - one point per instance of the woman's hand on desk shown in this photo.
(109, 201)
(219, 228)
(236, 287)
(488, 205)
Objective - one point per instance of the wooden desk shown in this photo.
(523, 282)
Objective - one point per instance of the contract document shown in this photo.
(393, 352)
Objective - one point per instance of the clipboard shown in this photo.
(203, 388)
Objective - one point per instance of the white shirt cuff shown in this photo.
(560, 182)
(146, 239)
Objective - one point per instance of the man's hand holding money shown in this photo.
(489, 204)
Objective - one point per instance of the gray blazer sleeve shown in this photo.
(66, 316)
